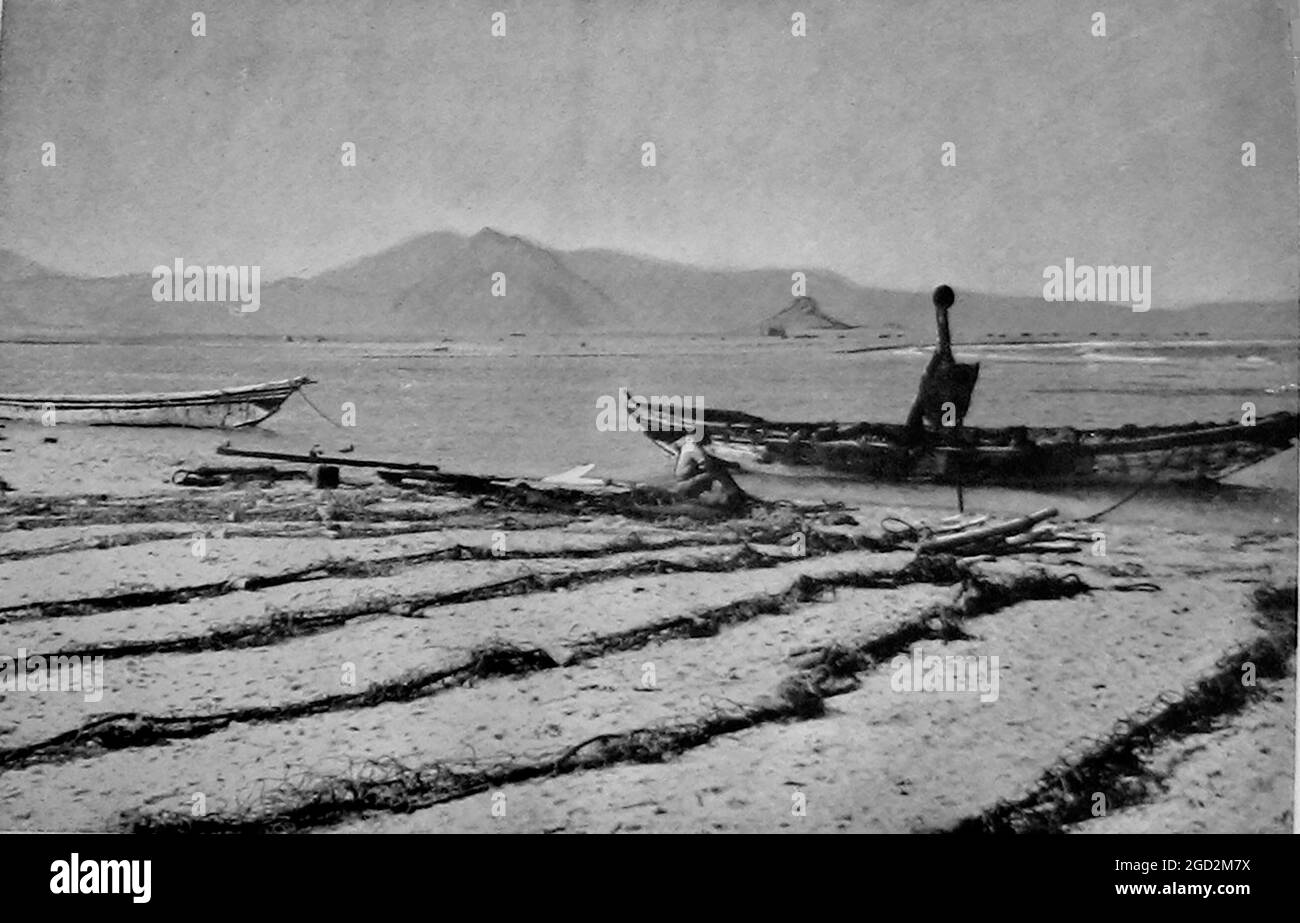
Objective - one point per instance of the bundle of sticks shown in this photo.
(1032, 534)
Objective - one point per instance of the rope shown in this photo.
(1136, 490)
(312, 405)
(907, 527)
(280, 333)
(904, 531)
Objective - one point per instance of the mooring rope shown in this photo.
(280, 333)
(1136, 490)
(328, 419)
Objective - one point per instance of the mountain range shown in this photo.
(444, 284)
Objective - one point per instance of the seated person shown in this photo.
(697, 471)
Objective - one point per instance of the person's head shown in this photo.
(944, 297)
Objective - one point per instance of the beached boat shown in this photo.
(245, 405)
(1012, 456)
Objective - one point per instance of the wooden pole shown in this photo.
(961, 453)
(311, 459)
(958, 539)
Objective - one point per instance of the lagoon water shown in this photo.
(527, 406)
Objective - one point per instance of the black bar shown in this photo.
(934, 877)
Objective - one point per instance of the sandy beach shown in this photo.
(276, 657)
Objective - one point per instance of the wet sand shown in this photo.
(281, 658)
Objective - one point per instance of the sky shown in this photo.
(815, 151)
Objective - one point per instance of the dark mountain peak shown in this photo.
(803, 313)
(805, 305)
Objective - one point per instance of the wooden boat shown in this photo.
(1012, 456)
(246, 405)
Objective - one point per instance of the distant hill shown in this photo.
(802, 314)
(440, 284)
(539, 294)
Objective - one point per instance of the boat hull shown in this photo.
(1013, 456)
(224, 408)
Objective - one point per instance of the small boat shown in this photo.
(245, 405)
(1010, 456)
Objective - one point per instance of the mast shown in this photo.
(945, 336)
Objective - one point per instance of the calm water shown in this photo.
(528, 406)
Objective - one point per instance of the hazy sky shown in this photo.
(772, 150)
